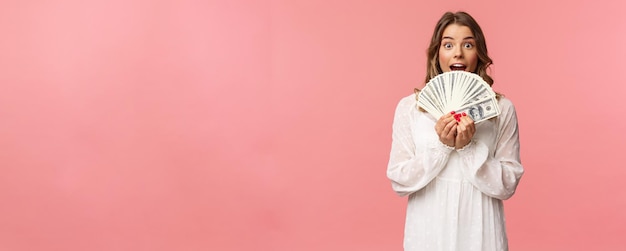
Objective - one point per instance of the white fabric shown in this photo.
(455, 196)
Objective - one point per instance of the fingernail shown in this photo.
(452, 112)
(464, 114)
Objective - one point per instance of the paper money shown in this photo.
(459, 91)
(482, 110)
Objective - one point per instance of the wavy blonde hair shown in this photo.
(460, 18)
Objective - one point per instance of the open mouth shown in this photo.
(458, 67)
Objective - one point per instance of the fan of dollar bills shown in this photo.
(459, 91)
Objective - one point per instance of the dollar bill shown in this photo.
(461, 92)
(481, 110)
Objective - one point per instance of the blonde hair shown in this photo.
(461, 18)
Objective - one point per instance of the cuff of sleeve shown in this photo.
(469, 145)
(443, 147)
(474, 152)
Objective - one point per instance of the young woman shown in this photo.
(456, 173)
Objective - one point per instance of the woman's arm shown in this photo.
(412, 167)
(496, 176)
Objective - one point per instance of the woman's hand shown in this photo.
(465, 130)
(446, 128)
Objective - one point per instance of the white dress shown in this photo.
(455, 196)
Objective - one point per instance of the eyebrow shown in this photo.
(466, 38)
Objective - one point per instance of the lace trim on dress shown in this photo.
(466, 146)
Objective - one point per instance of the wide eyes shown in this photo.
(466, 45)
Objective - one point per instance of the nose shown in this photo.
(458, 52)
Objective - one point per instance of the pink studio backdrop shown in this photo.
(266, 125)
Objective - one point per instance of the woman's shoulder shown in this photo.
(507, 109)
(505, 103)
(408, 101)
(409, 98)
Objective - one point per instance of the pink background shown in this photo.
(266, 125)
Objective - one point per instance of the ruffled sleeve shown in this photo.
(496, 175)
(411, 167)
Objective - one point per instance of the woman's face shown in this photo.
(457, 51)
